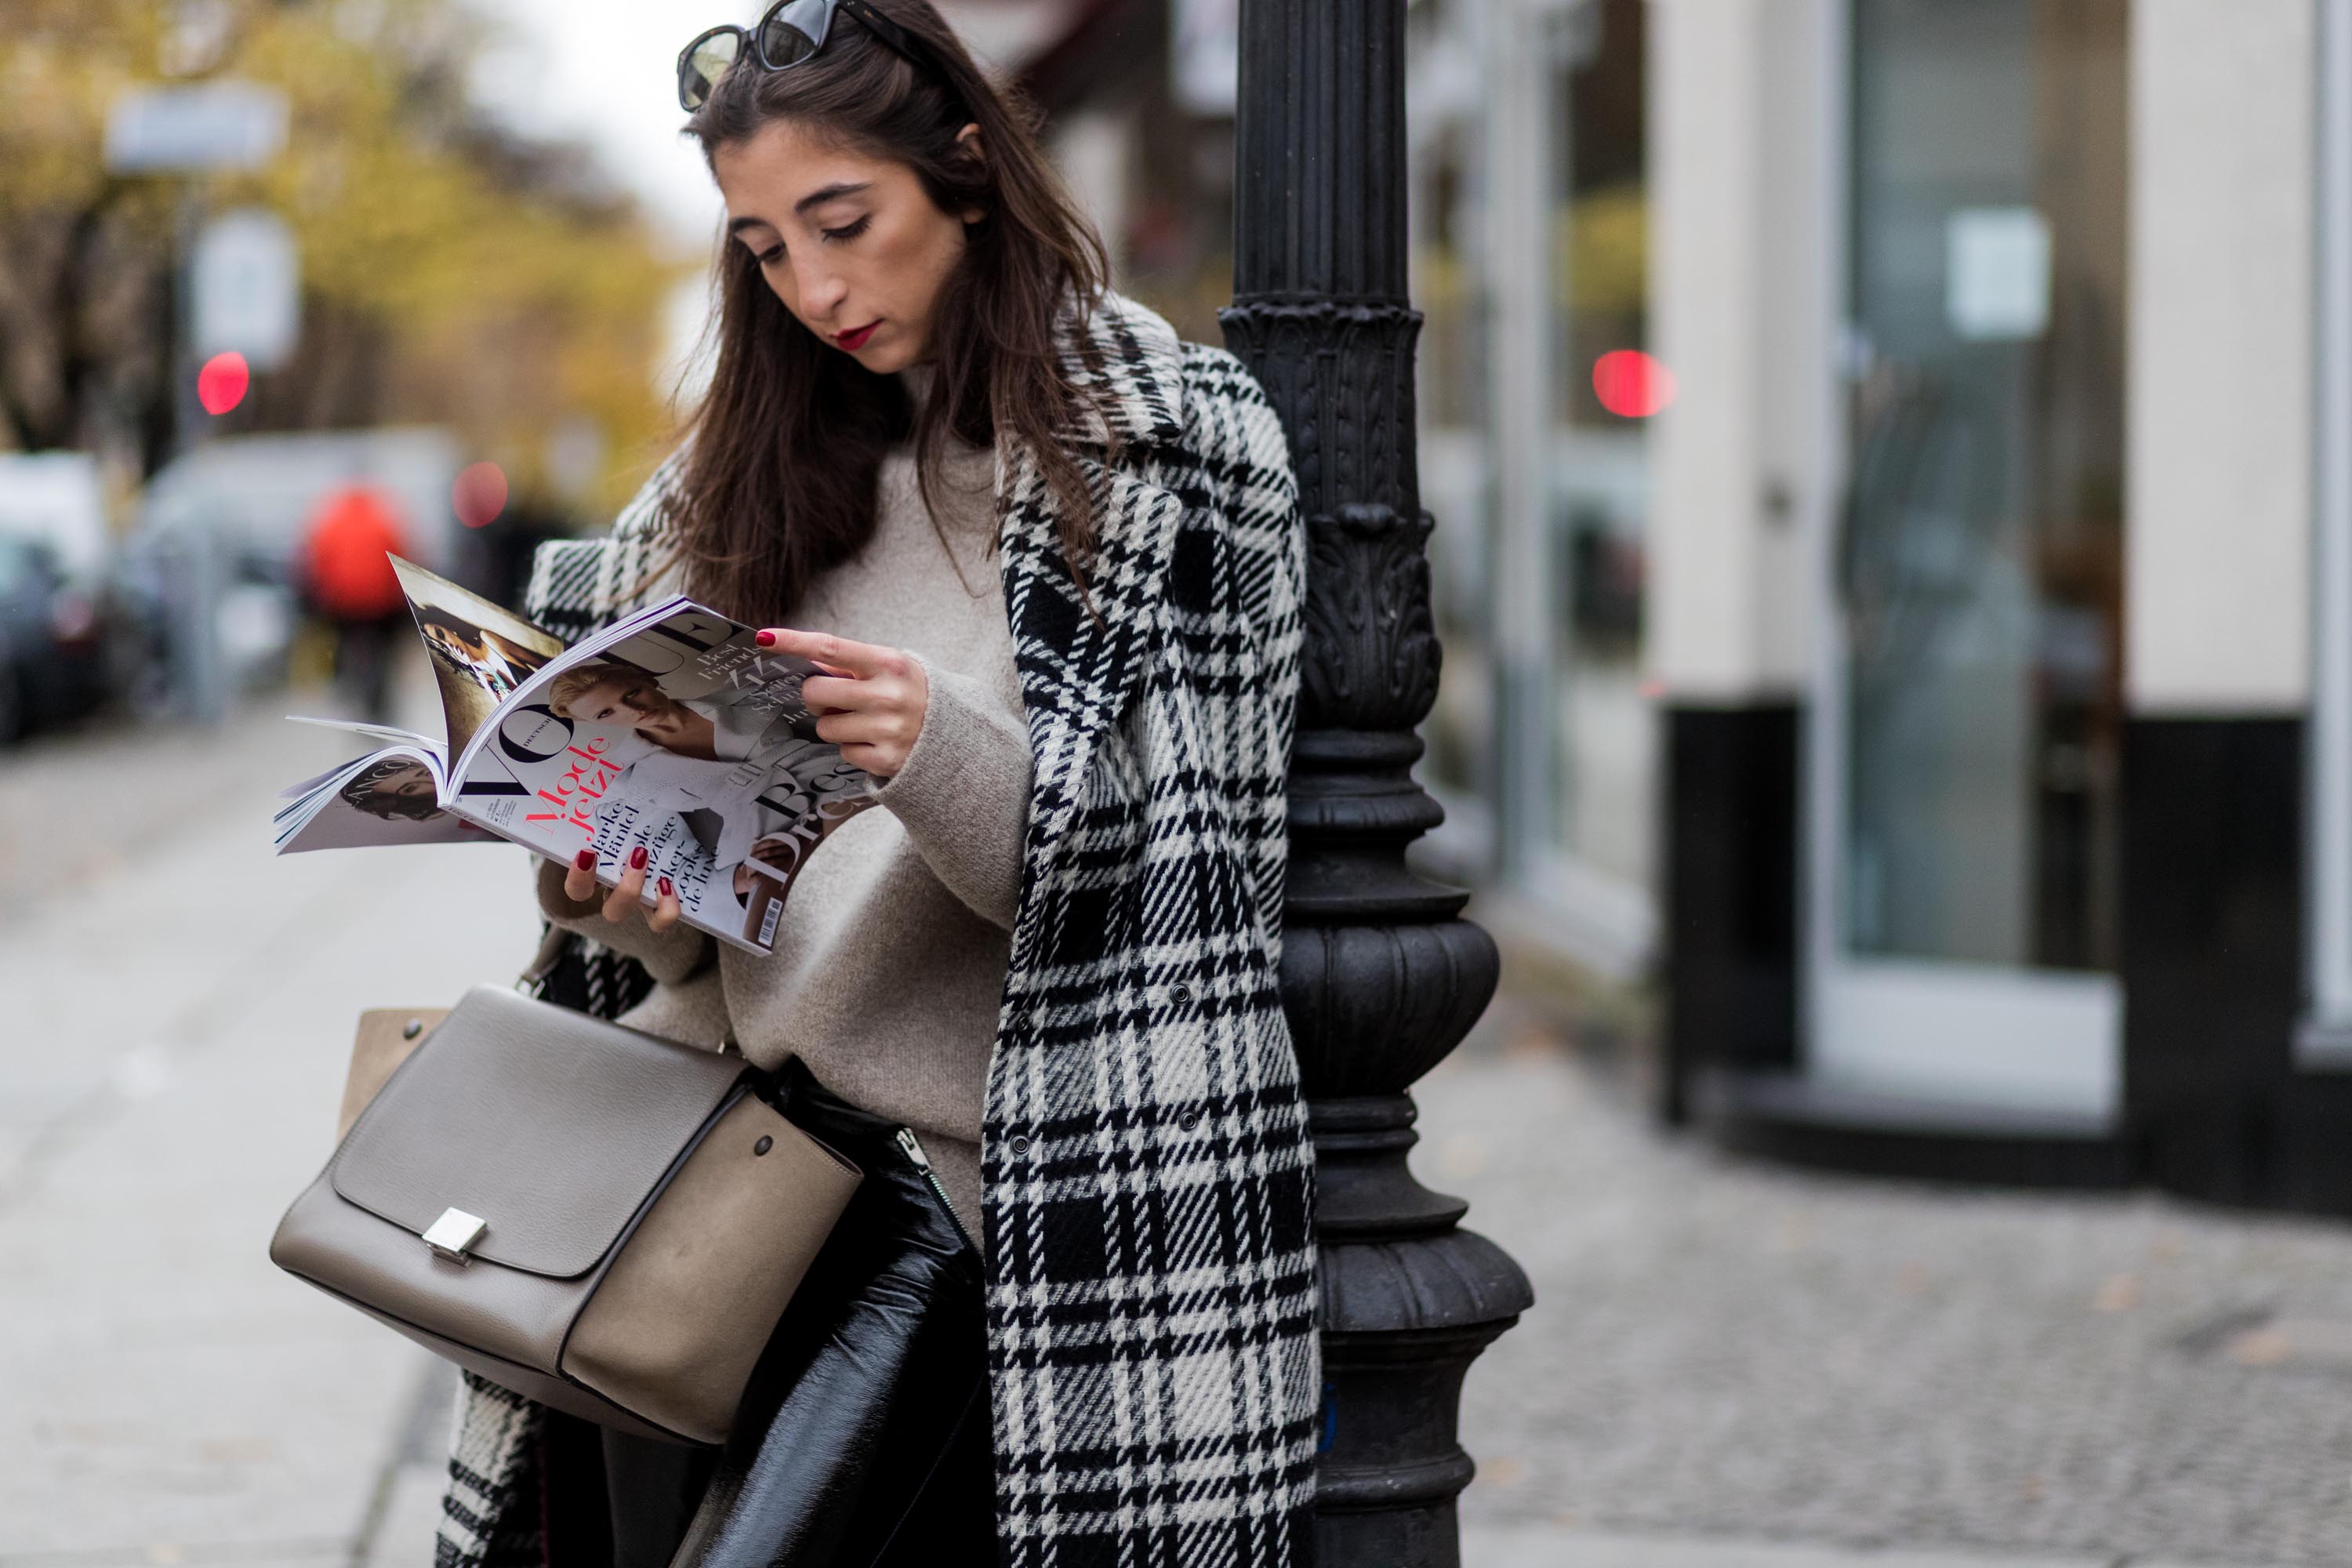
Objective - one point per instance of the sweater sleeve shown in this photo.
(963, 794)
(670, 956)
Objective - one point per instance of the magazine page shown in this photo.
(392, 797)
(481, 654)
(390, 734)
(673, 729)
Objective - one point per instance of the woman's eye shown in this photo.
(771, 256)
(850, 231)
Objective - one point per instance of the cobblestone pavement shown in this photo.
(1727, 1367)
(1720, 1348)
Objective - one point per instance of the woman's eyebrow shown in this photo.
(831, 193)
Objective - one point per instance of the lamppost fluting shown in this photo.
(1380, 977)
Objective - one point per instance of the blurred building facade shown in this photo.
(1946, 697)
(2001, 547)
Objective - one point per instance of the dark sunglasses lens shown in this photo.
(793, 31)
(705, 61)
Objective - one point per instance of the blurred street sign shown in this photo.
(1996, 273)
(246, 290)
(201, 128)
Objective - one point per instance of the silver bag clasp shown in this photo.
(454, 1232)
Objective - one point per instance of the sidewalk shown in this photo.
(176, 1035)
(1722, 1351)
(1542, 1547)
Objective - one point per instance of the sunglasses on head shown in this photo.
(791, 32)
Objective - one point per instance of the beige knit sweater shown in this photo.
(891, 954)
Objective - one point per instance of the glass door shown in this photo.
(1968, 705)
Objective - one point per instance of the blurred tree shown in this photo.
(452, 274)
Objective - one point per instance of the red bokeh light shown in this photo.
(1632, 384)
(220, 386)
(479, 495)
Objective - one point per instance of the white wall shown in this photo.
(2217, 505)
(1744, 296)
(1705, 294)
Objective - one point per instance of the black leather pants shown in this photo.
(864, 1437)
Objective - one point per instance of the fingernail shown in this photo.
(666, 891)
(637, 858)
(585, 859)
(767, 639)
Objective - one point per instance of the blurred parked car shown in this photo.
(52, 656)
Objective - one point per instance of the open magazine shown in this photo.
(671, 728)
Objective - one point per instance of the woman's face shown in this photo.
(849, 242)
(610, 702)
(414, 780)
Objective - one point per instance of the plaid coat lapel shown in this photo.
(1080, 670)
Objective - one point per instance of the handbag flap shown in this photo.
(552, 1126)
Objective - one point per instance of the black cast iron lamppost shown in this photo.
(1380, 975)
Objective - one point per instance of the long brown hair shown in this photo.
(789, 441)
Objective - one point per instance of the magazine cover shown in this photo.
(676, 730)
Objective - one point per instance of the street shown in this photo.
(1728, 1367)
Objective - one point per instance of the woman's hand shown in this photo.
(628, 894)
(872, 703)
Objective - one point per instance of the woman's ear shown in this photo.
(969, 140)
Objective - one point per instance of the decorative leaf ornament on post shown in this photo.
(1380, 975)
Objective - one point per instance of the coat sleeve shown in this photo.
(579, 585)
(1245, 446)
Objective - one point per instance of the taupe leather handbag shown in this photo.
(606, 1222)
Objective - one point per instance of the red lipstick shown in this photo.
(853, 340)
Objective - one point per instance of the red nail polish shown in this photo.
(585, 859)
(637, 858)
(767, 639)
(666, 891)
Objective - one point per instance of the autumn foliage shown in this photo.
(452, 274)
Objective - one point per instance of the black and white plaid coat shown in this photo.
(1149, 1178)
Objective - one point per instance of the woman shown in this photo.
(608, 691)
(1053, 953)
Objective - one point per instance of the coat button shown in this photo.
(1021, 1145)
(414, 1027)
(1189, 1120)
(1183, 992)
(763, 1146)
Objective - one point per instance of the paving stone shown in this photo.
(1726, 1349)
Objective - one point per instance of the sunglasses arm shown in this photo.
(890, 33)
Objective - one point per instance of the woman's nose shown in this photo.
(821, 294)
